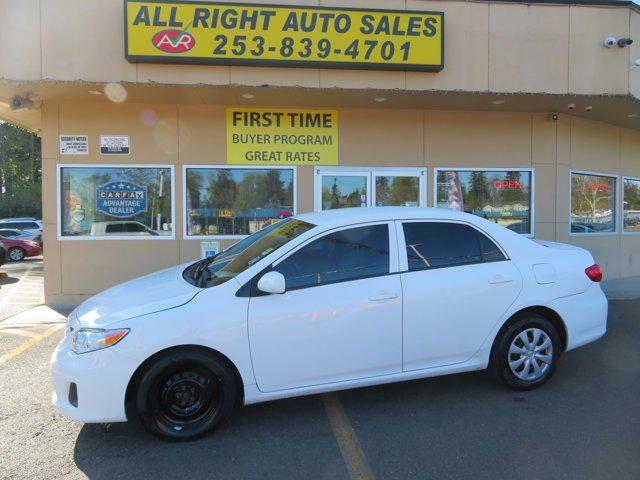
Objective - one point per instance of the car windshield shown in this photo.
(245, 253)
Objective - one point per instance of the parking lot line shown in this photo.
(352, 453)
(28, 344)
(21, 333)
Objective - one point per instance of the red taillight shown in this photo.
(594, 272)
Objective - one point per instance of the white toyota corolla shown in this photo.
(326, 301)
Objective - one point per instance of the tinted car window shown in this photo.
(114, 228)
(9, 233)
(490, 251)
(22, 225)
(134, 227)
(437, 244)
(340, 256)
(247, 252)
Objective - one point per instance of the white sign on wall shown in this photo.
(114, 145)
(74, 145)
(209, 248)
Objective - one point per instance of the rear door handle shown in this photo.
(381, 296)
(497, 279)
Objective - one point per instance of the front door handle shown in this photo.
(497, 279)
(381, 296)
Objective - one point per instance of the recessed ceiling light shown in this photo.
(380, 99)
(499, 102)
(633, 115)
(95, 92)
(248, 96)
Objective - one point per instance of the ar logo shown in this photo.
(173, 41)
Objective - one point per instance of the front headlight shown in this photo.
(91, 339)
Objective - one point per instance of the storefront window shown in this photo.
(397, 191)
(631, 202)
(237, 201)
(503, 197)
(593, 203)
(116, 201)
(343, 191)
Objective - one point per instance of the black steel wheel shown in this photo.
(185, 394)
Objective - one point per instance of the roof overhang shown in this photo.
(620, 110)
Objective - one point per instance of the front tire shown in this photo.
(16, 254)
(185, 394)
(526, 353)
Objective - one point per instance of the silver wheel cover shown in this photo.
(530, 354)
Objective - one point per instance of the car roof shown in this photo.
(347, 216)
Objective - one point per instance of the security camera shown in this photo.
(21, 102)
(571, 106)
(553, 117)
(610, 42)
(624, 42)
(588, 108)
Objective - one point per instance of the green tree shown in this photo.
(512, 195)
(20, 172)
(479, 193)
(404, 190)
(222, 191)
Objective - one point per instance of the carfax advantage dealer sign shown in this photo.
(277, 35)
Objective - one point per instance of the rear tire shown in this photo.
(16, 254)
(185, 394)
(525, 355)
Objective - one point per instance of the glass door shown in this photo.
(368, 187)
(342, 189)
(399, 188)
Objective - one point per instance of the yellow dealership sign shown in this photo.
(258, 136)
(273, 35)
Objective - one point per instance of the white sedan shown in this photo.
(321, 302)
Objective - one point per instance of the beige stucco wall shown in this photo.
(496, 47)
(187, 134)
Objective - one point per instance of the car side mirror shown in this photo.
(272, 282)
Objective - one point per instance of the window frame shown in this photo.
(622, 230)
(532, 187)
(64, 238)
(185, 208)
(616, 213)
(403, 259)
(393, 252)
(370, 173)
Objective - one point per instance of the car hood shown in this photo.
(149, 294)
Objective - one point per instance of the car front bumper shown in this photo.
(33, 251)
(100, 380)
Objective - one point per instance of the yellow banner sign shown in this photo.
(288, 137)
(248, 34)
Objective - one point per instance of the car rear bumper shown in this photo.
(90, 387)
(584, 315)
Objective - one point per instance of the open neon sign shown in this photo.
(507, 184)
(598, 187)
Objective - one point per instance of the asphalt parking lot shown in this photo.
(584, 424)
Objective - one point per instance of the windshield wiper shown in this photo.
(203, 266)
